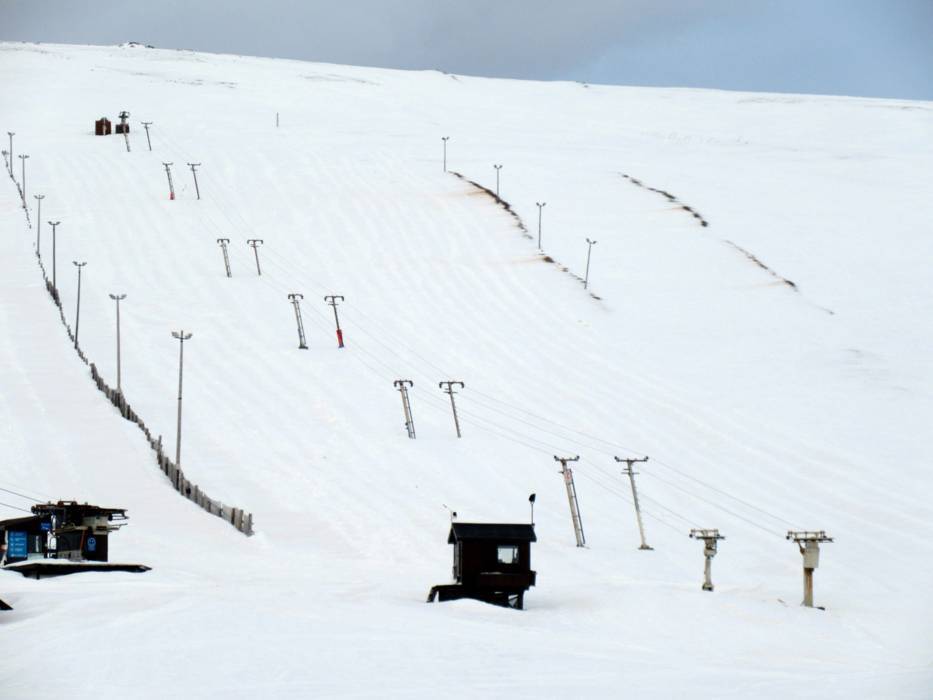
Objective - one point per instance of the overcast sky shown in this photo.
(881, 48)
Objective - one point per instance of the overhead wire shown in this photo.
(21, 495)
(497, 430)
(282, 264)
(7, 505)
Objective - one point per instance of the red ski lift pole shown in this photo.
(332, 300)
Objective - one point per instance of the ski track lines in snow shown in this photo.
(349, 513)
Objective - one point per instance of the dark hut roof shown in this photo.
(506, 532)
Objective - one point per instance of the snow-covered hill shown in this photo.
(764, 405)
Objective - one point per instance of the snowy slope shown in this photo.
(764, 406)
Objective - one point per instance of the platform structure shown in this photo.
(63, 537)
(46, 568)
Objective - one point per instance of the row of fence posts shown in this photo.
(237, 517)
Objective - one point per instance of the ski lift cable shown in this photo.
(7, 505)
(715, 505)
(21, 495)
(227, 210)
(592, 437)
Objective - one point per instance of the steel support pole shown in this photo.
(54, 266)
(146, 126)
(710, 538)
(445, 139)
(54, 225)
(254, 243)
(402, 386)
(540, 206)
(808, 542)
(182, 337)
(223, 244)
(23, 158)
(194, 173)
(171, 185)
(641, 526)
(117, 298)
(79, 265)
(589, 250)
(39, 198)
(453, 406)
(332, 300)
(631, 475)
(575, 518)
(295, 298)
(708, 572)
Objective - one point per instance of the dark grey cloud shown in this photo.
(861, 47)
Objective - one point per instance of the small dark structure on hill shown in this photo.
(123, 127)
(61, 538)
(492, 563)
(4, 606)
(102, 127)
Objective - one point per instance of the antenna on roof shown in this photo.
(531, 500)
(453, 513)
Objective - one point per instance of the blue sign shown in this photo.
(91, 544)
(45, 526)
(16, 545)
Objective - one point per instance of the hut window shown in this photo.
(508, 554)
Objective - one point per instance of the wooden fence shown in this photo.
(241, 520)
(237, 517)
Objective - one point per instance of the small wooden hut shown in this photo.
(492, 563)
(102, 127)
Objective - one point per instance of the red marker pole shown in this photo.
(332, 300)
(171, 185)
